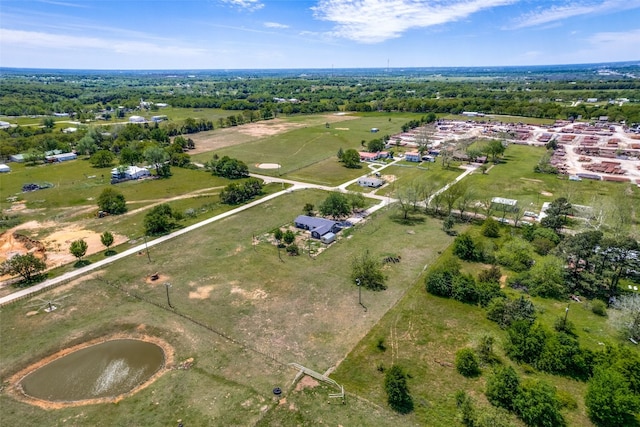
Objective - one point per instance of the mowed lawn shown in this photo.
(309, 152)
(260, 313)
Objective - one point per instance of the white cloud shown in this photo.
(628, 40)
(245, 4)
(275, 25)
(40, 40)
(569, 10)
(372, 21)
(65, 4)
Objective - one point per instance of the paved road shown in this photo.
(296, 185)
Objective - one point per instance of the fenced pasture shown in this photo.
(239, 310)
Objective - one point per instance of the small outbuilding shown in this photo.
(328, 238)
(369, 181)
(61, 157)
(4, 168)
(131, 172)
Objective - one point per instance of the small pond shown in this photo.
(103, 370)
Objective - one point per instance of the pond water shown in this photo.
(103, 370)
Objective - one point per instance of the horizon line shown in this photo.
(628, 62)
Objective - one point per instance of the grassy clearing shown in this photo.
(303, 310)
(406, 174)
(515, 179)
(422, 333)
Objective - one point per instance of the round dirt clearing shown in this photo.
(268, 165)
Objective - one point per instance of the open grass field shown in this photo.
(307, 150)
(422, 333)
(515, 178)
(243, 314)
(301, 310)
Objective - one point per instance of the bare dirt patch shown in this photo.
(546, 193)
(156, 278)
(306, 382)
(15, 390)
(268, 165)
(255, 294)
(201, 292)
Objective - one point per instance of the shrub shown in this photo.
(466, 410)
(463, 289)
(599, 307)
(380, 345)
(395, 384)
(503, 387)
(490, 275)
(467, 363)
(465, 248)
(537, 405)
(485, 350)
(609, 399)
(487, 292)
(293, 250)
(505, 311)
(490, 228)
(112, 201)
(516, 255)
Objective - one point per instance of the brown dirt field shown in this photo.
(14, 389)
(220, 138)
(56, 245)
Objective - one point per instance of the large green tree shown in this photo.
(351, 159)
(335, 205)
(27, 266)
(112, 201)
(102, 159)
(367, 271)
(161, 219)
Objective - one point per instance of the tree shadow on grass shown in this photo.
(409, 220)
(110, 252)
(81, 263)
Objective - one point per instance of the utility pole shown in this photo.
(360, 294)
(147, 247)
(168, 285)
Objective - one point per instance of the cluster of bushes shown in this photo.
(448, 281)
(236, 193)
(161, 219)
(289, 238)
(227, 167)
(536, 403)
(553, 352)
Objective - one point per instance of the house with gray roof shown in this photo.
(318, 227)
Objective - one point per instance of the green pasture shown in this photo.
(514, 178)
(407, 173)
(309, 152)
(422, 334)
(272, 311)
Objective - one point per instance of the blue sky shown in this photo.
(231, 34)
